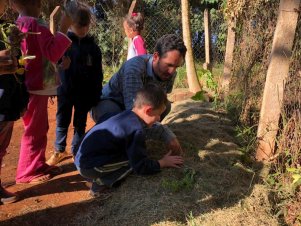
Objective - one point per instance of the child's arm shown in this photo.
(51, 46)
(170, 160)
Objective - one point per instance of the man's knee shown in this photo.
(104, 107)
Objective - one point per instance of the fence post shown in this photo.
(229, 55)
(276, 75)
(207, 64)
(52, 19)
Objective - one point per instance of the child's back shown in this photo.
(116, 147)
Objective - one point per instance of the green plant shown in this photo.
(247, 138)
(181, 79)
(296, 176)
(191, 219)
(199, 96)
(233, 105)
(186, 183)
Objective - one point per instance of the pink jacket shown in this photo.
(45, 46)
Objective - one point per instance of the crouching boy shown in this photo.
(113, 149)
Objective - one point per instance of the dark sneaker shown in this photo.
(7, 197)
(100, 191)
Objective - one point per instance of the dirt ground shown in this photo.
(213, 187)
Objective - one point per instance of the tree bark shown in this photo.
(193, 82)
(276, 76)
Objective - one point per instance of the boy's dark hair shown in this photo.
(135, 21)
(151, 94)
(79, 12)
(168, 43)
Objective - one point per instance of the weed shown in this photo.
(191, 219)
(247, 138)
(199, 96)
(181, 79)
(186, 183)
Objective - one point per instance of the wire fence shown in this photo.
(111, 36)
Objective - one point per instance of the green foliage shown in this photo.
(247, 138)
(199, 96)
(191, 221)
(186, 183)
(233, 106)
(181, 79)
(296, 176)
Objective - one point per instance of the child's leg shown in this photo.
(79, 124)
(34, 140)
(63, 119)
(107, 174)
(6, 129)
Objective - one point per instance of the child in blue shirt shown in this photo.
(116, 147)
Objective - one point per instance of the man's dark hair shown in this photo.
(151, 94)
(168, 43)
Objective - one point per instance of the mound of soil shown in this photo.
(213, 186)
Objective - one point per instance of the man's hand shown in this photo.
(8, 65)
(175, 147)
(170, 160)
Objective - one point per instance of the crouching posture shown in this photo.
(113, 149)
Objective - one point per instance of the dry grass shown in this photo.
(222, 190)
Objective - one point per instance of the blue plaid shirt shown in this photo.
(132, 76)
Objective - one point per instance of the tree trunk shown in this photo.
(207, 64)
(277, 73)
(193, 82)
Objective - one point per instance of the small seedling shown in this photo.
(186, 183)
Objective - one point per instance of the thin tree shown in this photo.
(193, 82)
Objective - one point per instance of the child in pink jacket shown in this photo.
(47, 49)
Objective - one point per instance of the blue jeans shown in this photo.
(63, 120)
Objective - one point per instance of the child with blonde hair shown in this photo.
(47, 49)
(133, 25)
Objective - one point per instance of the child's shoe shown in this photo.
(100, 191)
(7, 197)
(56, 158)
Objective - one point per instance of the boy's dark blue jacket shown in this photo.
(120, 138)
(13, 95)
(82, 81)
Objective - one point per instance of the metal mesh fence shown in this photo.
(113, 43)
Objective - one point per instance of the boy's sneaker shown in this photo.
(101, 192)
(56, 158)
(7, 197)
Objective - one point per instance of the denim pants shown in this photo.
(63, 120)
